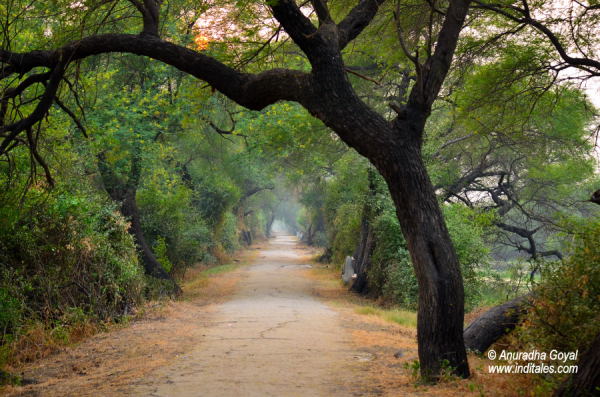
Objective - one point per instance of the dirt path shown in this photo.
(271, 339)
(266, 335)
(274, 328)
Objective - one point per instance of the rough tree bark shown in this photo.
(393, 147)
(495, 323)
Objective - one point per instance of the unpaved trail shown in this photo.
(271, 339)
(256, 331)
(261, 330)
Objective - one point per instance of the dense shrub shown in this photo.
(565, 314)
(467, 228)
(392, 272)
(346, 225)
(229, 239)
(60, 251)
(172, 225)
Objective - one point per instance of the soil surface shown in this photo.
(270, 337)
(278, 325)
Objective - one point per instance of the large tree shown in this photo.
(394, 147)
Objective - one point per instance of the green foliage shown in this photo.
(174, 228)
(565, 311)
(211, 173)
(11, 311)
(160, 249)
(62, 250)
(347, 230)
(392, 271)
(229, 239)
(340, 201)
(467, 228)
(565, 314)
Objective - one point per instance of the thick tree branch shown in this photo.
(38, 113)
(252, 191)
(529, 235)
(299, 27)
(253, 91)
(515, 229)
(357, 20)
(322, 11)
(150, 14)
(436, 68)
(29, 81)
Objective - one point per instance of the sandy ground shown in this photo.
(279, 326)
(271, 336)
(271, 339)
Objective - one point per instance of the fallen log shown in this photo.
(495, 323)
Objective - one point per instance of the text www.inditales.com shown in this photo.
(536, 364)
(532, 368)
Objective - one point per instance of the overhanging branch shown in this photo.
(253, 91)
(523, 16)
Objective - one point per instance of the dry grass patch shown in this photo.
(389, 335)
(109, 363)
(203, 284)
(398, 316)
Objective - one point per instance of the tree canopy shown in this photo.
(388, 125)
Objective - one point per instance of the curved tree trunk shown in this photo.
(495, 323)
(326, 92)
(125, 193)
(586, 382)
(152, 267)
(441, 293)
(366, 243)
(394, 148)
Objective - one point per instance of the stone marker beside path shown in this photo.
(348, 272)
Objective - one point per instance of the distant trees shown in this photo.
(486, 134)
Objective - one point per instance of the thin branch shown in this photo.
(34, 152)
(577, 62)
(39, 112)
(362, 76)
(72, 116)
